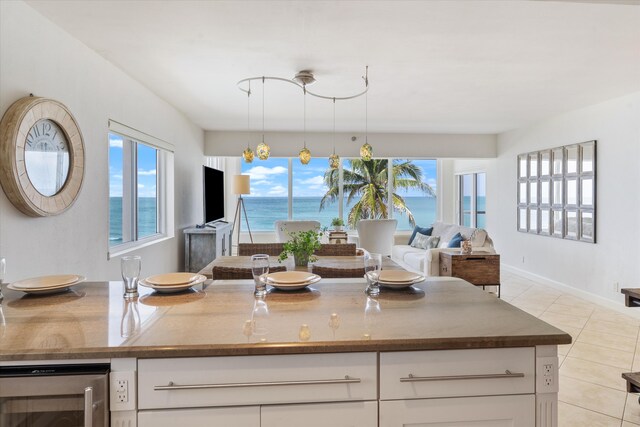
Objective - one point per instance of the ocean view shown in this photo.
(147, 218)
(264, 211)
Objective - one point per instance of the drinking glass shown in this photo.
(130, 322)
(260, 266)
(372, 266)
(130, 267)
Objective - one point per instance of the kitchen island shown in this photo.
(442, 351)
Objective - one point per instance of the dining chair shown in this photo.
(376, 235)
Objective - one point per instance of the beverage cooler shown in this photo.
(54, 396)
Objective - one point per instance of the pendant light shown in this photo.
(247, 154)
(305, 154)
(263, 150)
(366, 151)
(334, 159)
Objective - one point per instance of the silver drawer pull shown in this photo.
(507, 374)
(171, 386)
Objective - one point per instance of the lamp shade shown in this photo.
(241, 184)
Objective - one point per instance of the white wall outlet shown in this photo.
(547, 374)
(523, 259)
(616, 287)
(122, 387)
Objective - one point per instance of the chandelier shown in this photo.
(302, 79)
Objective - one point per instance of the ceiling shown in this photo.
(459, 66)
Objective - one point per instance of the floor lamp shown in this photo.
(241, 186)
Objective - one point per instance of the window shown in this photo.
(308, 190)
(138, 182)
(472, 195)
(269, 198)
(285, 189)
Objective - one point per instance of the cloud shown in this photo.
(140, 185)
(316, 180)
(277, 191)
(261, 172)
(115, 141)
(143, 172)
(262, 182)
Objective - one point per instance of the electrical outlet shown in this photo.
(546, 374)
(523, 259)
(122, 391)
(616, 287)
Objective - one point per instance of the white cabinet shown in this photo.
(490, 411)
(244, 416)
(350, 414)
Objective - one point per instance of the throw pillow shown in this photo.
(423, 241)
(455, 241)
(421, 230)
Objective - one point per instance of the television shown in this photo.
(213, 194)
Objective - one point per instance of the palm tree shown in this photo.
(368, 180)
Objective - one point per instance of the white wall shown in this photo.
(38, 57)
(615, 257)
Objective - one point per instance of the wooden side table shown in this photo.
(480, 268)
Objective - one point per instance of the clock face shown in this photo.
(46, 156)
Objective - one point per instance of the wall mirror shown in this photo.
(557, 192)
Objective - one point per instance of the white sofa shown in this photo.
(427, 261)
(283, 228)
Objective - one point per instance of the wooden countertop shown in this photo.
(88, 322)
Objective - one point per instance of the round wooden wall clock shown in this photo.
(41, 156)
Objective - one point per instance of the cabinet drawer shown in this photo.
(451, 373)
(350, 414)
(254, 380)
(240, 416)
(493, 411)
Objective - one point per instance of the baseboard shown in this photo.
(588, 296)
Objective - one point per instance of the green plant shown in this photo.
(302, 245)
(367, 182)
(337, 222)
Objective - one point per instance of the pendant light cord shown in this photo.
(248, 117)
(334, 126)
(304, 120)
(263, 110)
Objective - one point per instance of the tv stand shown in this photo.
(203, 244)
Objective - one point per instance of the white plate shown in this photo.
(399, 276)
(290, 277)
(170, 289)
(46, 281)
(294, 286)
(169, 279)
(51, 289)
(400, 285)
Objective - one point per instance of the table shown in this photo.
(243, 265)
(480, 268)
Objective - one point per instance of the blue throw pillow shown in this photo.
(426, 231)
(455, 241)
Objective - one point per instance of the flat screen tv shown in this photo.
(213, 189)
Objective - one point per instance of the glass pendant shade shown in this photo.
(247, 155)
(305, 156)
(366, 152)
(334, 161)
(263, 151)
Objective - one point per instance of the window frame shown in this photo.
(164, 190)
(473, 211)
(341, 195)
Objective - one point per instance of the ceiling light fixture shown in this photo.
(302, 79)
(262, 150)
(366, 151)
(305, 154)
(334, 159)
(247, 154)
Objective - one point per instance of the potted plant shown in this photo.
(302, 245)
(337, 224)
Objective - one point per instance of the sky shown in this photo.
(269, 178)
(146, 168)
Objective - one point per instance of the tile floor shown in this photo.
(605, 344)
